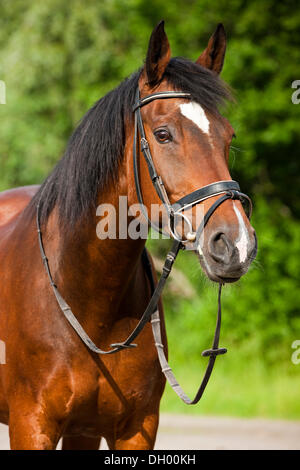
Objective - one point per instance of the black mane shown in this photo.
(96, 147)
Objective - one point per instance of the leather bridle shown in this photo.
(229, 189)
(224, 189)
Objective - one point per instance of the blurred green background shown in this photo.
(57, 58)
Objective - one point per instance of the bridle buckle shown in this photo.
(144, 144)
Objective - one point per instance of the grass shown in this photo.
(237, 388)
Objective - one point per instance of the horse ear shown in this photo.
(213, 56)
(158, 56)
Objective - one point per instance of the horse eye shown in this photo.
(162, 136)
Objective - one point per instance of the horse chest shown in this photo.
(105, 401)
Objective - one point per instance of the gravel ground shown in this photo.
(211, 433)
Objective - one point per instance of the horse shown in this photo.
(51, 385)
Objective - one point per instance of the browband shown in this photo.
(160, 95)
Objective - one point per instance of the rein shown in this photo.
(224, 189)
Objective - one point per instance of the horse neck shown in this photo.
(92, 273)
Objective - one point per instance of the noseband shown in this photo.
(224, 189)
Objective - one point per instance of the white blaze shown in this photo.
(242, 241)
(195, 113)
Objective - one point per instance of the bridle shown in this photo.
(224, 189)
(229, 189)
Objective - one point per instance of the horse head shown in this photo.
(189, 143)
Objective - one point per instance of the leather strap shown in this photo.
(71, 318)
(139, 103)
(165, 367)
(139, 128)
(156, 293)
(206, 192)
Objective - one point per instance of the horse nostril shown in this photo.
(220, 248)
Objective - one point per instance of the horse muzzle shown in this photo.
(225, 260)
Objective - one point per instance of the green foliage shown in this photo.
(58, 58)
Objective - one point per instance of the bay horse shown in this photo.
(51, 385)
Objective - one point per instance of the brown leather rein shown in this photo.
(225, 189)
